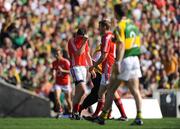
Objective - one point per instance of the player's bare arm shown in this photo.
(120, 49)
(53, 75)
(90, 63)
(63, 70)
(101, 59)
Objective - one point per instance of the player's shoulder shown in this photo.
(122, 23)
(109, 33)
(54, 61)
(65, 60)
(117, 29)
(125, 20)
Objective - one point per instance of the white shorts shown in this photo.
(105, 79)
(64, 88)
(130, 68)
(79, 73)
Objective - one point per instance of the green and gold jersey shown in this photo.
(127, 33)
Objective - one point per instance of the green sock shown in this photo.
(139, 114)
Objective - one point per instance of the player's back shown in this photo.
(130, 36)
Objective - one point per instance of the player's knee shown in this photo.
(111, 89)
(100, 94)
(84, 90)
(135, 92)
(68, 98)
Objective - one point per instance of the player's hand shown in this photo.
(116, 69)
(60, 68)
(85, 38)
(91, 68)
(93, 74)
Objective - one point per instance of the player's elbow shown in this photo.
(121, 46)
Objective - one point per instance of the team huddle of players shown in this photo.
(114, 61)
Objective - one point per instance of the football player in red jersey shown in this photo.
(61, 75)
(80, 60)
(107, 58)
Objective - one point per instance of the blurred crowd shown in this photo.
(30, 30)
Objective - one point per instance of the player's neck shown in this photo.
(107, 31)
(60, 58)
(123, 18)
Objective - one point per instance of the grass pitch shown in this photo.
(51, 123)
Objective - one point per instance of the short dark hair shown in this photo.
(119, 10)
(81, 31)
(106, 23)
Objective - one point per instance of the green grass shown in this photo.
(51, 123)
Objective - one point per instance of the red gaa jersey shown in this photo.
(109, 47)
(73, 45)
(61, 78)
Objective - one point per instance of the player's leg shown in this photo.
(68, 98)
(133, 85)
(101, 99)
(109, 113)
(79, 76)
(134, 73)
(101, 93)
(93, 96)
(79, 92)
(57, 100)
(58, 107)
(118, 102)
(111, 88)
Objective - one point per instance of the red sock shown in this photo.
(98, 108)
(76, 107)
(120, 107)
